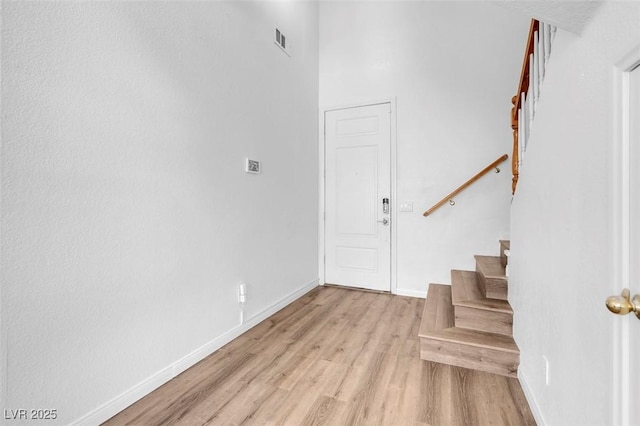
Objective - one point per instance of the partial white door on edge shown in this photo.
(357, 184)
(634, 243)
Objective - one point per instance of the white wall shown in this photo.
(561, 230)
(453, 67)
(127, 219)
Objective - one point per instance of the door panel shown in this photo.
(358, 178)
(356, 190)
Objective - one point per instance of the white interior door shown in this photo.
(626, 367)
(357, 182)
(633, 329)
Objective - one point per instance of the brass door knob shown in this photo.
(622, 305)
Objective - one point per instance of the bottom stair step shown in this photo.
(441, 341)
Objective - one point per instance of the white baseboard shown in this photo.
(421, 294)
(119, 403)
(531, 399)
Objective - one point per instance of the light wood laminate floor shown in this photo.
(333, 357)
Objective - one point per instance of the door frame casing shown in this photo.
(620, 255)
(321, 188)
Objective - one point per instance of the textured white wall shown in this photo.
(453, 67)
(560, 271)
(127, 219)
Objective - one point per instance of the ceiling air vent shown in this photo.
(281, 41)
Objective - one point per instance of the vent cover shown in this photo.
(281, 41)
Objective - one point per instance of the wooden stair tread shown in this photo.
(496, 305)
(464, 286)
(438, 310)
(490, 266)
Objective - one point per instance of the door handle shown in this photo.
(384, 221)
(623, 304)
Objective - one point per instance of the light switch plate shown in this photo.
(406, 206)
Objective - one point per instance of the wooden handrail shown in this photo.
(523, 87)
(465, 185)
(523, 84)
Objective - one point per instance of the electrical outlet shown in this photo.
(242, 293)
(546, 370)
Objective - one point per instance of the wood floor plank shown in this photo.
(334, 357)
(325, 411)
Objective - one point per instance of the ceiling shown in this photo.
(570, 15)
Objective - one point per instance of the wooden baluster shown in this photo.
(535, 74)
(524, 122)
(528, 115)
(529, 108)
(531, 92)
(532, 113)
(515, 119)
(523, 129)
(547, 41)
(542, 59)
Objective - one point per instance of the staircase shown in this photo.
(470, 323)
